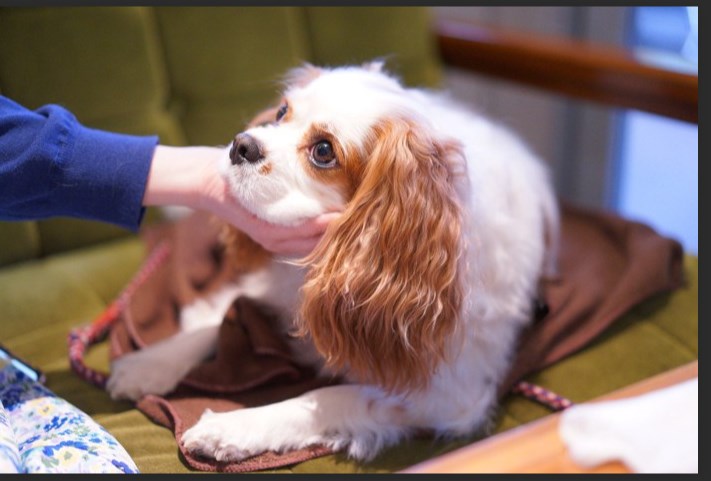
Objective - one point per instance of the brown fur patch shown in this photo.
(266, 168)
(244, 254)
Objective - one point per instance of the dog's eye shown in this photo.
(281, 112)
(322, 154)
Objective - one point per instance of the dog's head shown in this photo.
(382, 292)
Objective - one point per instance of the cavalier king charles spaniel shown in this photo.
(415, 295)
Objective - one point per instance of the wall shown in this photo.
(576, 138)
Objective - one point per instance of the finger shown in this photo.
(318, 225)
(299, 247)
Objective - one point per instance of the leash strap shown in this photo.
(541, 395)
(81, 338)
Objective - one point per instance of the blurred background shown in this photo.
(642, 165)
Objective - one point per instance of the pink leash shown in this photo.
(541, 395)
(81, 338)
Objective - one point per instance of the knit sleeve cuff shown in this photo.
(104, 176)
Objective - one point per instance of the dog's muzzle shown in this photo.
(246, 148)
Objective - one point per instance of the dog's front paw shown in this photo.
(137, 374)
(225, 437)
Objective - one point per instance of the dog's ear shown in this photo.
(296, 77)
(302, 75)
(383, 293)
(376, 65)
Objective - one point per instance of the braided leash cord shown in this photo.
(80, 338)
(541, 395)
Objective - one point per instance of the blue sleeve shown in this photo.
(51, 165)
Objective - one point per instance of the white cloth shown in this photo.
(657, 432)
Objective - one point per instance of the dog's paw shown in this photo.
(137, 374)
(227, 437)
(293, 424)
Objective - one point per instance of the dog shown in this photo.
(416, 294)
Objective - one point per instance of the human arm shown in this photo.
(51, 165)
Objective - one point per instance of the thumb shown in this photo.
(318, 225)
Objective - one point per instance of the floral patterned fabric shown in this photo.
(9, 454)
(41, 433)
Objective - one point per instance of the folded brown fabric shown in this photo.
(607, 265)
(252, 366)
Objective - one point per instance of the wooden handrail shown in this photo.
(574, 68)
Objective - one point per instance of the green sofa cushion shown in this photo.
(111, 56)
(42, 299)
(18, 241)
(220, 81)
(411, 55)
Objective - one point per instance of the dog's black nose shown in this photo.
(245, 148)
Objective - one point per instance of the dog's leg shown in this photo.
(362, 419)
(158, 368)
(208, 310)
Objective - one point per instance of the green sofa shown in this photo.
(195, 76)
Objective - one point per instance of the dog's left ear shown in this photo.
(302, 75)
(374, 65)
(383, 293)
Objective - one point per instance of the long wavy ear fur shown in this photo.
(382, 295)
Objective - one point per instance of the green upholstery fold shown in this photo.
(390, 33)
(18, 241)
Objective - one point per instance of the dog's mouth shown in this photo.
(264, 198)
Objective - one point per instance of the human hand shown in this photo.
(287, 240)
(189, 176)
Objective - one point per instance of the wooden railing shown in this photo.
(578, 69)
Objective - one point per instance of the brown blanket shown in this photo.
(607, 265)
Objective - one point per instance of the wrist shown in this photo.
(182, 176)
